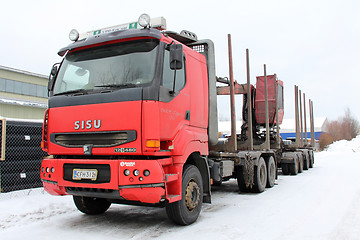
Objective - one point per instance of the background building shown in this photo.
(22, 94)
(287, 128)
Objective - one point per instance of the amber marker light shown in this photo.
(153, 143)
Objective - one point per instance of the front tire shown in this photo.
(91, 206)
(187, 210)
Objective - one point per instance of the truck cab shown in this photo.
(128, 121)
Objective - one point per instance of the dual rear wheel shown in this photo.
(264, 176)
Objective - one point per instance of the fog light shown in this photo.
(146, 173)
(127, 172)
(140, 179)
(136, 172)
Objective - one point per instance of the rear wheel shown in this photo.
(187, 210)
(301, 162)
(294, 167)
(91, 206)
(271, 172)
(285, 168)
(311, 158)
(241, 180)
(306, 162)
(260, 177)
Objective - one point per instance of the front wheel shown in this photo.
(187, 210)
(91, 206)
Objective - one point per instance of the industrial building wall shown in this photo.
(22, 94)
(23, 112)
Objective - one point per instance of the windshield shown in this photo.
(127, 64)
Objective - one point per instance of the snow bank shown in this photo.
(345, 146)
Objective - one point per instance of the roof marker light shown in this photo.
(74, 35)
(144, 20)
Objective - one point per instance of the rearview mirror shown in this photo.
(53, 73)
(53, 70)
(176, 56)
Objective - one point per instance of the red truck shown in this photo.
(132, 119)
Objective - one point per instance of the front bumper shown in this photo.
(111, 182)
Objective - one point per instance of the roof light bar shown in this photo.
(157, 23)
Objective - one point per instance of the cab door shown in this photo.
(174, 106)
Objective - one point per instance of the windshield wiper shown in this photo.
(83, 91)
(118, 85)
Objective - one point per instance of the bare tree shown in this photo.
(346, 127)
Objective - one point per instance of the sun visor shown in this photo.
(111, 36)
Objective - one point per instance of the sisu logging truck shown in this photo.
(132, 119)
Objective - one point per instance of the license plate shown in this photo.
(79, 174)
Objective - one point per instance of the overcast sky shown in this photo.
(311, 43)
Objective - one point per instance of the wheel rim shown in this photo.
(192, 196)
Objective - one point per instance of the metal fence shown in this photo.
(21, 155)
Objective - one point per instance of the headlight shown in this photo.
(127, 172)
(136, 172)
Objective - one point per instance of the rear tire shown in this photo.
(301, 162)
(285, 169)
(294, 167)
(187, 210)
(91, 206)
(241, 181)
(260, 177)
(311, 158)
(271, 172)
(306, 162)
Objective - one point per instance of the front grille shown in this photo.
(96, 139)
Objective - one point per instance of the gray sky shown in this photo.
(311, 43)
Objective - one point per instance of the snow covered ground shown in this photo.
(321, 203)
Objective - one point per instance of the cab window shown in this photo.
(168, 75)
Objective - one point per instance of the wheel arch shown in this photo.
(201, 163)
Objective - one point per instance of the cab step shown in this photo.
(171, 177)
